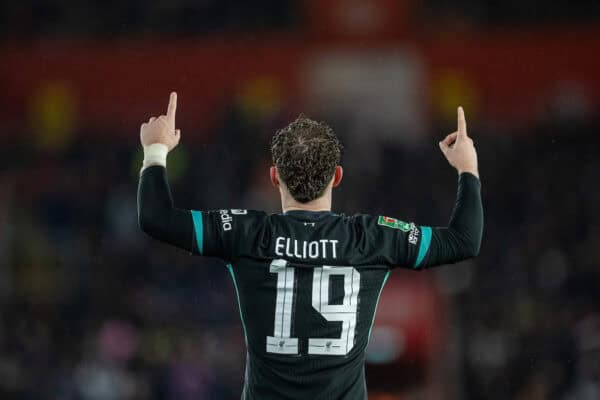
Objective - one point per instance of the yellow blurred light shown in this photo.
(53, 116)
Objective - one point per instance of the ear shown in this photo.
(338, 175)
(274, 177)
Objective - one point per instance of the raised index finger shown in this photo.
(462, 123)
(172, 108)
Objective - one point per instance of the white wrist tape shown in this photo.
(155, 154)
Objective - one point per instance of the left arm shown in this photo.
(461, 239)
(414, 246)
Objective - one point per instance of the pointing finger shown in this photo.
(172, 108)
(462, 123)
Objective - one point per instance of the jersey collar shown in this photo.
(308, 214)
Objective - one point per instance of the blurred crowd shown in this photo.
(92, 309)
(510, 12)
(60, 18)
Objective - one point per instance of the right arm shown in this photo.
(199, 232)
(157, 215)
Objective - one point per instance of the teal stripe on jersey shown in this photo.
(237, 293)
(387, 275)
(424, 246)
(198, 229)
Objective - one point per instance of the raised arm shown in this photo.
(157, 215)
(461, 239)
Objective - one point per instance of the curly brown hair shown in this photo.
(306, 153)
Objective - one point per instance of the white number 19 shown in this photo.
(282, 343)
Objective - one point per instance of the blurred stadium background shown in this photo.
(92, 309)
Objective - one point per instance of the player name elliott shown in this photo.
(302, 249)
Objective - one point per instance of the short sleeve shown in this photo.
(224, 233)
(395, 242)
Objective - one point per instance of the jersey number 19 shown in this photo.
(282, 343)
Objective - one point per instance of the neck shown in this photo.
(323, 203)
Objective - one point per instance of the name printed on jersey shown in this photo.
(303, 250)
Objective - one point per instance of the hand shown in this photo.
(458, 148)
(162, 129)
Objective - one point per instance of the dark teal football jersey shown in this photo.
(308, 284)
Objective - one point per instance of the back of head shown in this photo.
(306, 153)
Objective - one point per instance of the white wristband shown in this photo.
(155, 154)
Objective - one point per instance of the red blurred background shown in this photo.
(388, 75)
